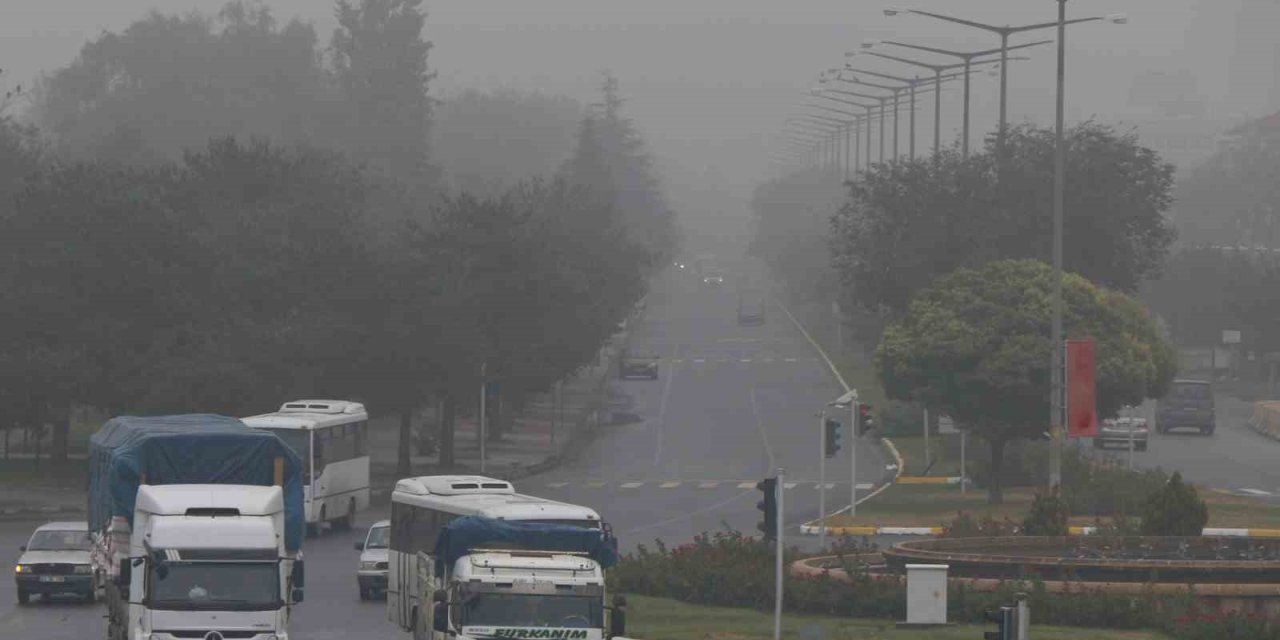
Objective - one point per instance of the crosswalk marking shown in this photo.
(829, 485)
(791, 360)
(669, 485)
(744, 360)
(556, 485)
(595, 485)
(699, 360)
(632, 485)
(708, 485)
(746, 485)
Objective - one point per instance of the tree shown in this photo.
(906, 224)
(975, 346)
(1175, 510)
(649, 222)
(169, 83)
(1234, 198)
(793, 226)
(380, 61)
(488, 141)
(1048, 515)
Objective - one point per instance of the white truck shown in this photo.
(179, 551)
(472, 559)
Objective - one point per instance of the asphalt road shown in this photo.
(731, 405)
(1234, 459)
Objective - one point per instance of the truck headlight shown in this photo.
(369, 566)
(83, 569)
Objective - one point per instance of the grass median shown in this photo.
(663, 619)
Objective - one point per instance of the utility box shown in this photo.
(927, 594)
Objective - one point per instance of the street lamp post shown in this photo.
(870, 110)
(1055, 332)
(967, 58)
(1004, 32)
(883, 100)
(912, 84)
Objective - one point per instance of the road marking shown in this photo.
(662, 409)
(827, 485)
(632, 485)
(556, 485)
(595, 485)
(1256, 492)
(677, 361)
(668, 485)
(744, 359)
(764, 438)
(789, 485)
(699, 360)
(746, 485)
(708, 485)
(865, 486)
(792, 360)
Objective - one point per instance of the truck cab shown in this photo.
(206, 559)
(526, 594)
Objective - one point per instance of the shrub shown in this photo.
(1175, 510)
(1047, 517)
(964, 525)
(1199, 625)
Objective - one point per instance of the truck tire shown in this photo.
(23, 596)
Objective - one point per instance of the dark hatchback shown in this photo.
(1188, 405)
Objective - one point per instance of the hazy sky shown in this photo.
(710, 81)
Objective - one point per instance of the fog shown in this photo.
(709, 82)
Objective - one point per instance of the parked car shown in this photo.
(372, 574)
(1117, 431)
(1188, 405)
(638, 365)
(55, 561)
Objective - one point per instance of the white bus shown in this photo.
(421, 506)
(331, 438)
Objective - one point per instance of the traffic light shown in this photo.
(831, 438)
(865, 421)
(769, 507)
(1005, 625)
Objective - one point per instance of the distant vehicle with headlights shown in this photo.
(637, 364)
(713, 280)
(55, 561)
(1118, 431)
(371, 575)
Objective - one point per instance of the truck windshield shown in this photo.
(531, 610)
(221, 586)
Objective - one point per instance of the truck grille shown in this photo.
(57, 569)
(229, 635)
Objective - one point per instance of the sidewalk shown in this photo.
(539, 437)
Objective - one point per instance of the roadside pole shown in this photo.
(822, 479)
(481, 427)
(1132, 428)
(926, 439)
(779, 491)
(964, 479)
(854, 428)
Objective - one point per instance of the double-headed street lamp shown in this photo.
(937, 69)
(1004, 32)
(826, 131)
(909, 84)
(967, 57)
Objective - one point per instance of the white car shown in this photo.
(55, 561)
(1117, 431)
(372, 572)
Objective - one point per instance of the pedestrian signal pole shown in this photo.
(779, 489)
(822, 479)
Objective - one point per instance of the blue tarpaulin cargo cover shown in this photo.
(462, 535)
(187, 449)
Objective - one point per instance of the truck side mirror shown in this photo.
(22, 548)
(359, 545)
(439, 596)
(440, 617)
(297, 595)
(619, 601)
(299, 575)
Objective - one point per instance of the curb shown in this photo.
(928, 480)
(885, 443)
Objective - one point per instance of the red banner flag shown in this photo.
(1082, 406)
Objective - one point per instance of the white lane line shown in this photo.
(1255, 492)
(865, 486)
(699, 360)
(557, 485)
(595, 485)
(632, 485)
(764, 438)
(739, 360)
(746, 485)
(662, 409)
(824, 485)
(668, 485)
(708, 485)
(789, 485)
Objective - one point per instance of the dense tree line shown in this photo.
(1233, 198)
(792, 215)
(207, 216)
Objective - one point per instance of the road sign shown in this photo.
(947, 426)
(1230, 336)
